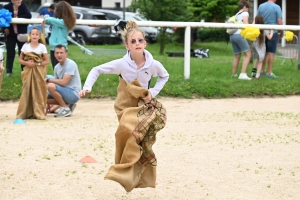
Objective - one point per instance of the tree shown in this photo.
(162, 10)
(212, 10)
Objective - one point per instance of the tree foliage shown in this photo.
(162, 10)
(212, 10)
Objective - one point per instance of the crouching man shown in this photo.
(63, 89)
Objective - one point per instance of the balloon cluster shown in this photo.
(289, 36)
(250, 33)
(5, 18)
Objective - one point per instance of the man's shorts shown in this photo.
(272, 44)
(239, 44)
(67, 94)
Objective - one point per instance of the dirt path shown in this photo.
(210, 149)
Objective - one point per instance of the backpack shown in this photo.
(232, 20)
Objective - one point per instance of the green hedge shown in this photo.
(212, 35)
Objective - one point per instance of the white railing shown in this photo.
(187, 25)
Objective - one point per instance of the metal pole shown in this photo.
(299, 38)
(124, 9)
(187, 52)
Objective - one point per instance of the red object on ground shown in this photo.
(87, 159)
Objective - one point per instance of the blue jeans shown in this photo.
(67, 94)
(239, 44)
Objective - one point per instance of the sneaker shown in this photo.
(253, 73)
(244, 77)
(263, 73)
(58, 110)
(271, 76)
(72, 107)
(234, 75)
(8, 74)
(63, 113)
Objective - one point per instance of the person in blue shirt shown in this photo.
(48, 11)
(272, 15)
(64, 20)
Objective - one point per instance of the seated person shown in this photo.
(64, 88)
(48, 11)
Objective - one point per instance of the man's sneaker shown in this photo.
(72, 107)
(263, 73)
(234, 76)
(63, 113)
(243, 76)
(271, 76)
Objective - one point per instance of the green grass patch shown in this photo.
(209, 77)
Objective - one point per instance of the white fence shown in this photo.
(187, 25)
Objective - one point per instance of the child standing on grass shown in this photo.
(140, 115)
(35, 58)
(64, 20)
(260, 47)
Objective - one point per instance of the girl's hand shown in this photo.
(148, 98)
(83, 93)
(6, 31)
(30, 63)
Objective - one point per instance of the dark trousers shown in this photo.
(11, 41)
(53, 59)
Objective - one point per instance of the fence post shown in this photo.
(187, 52)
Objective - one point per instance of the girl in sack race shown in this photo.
(18, 9)
(34, 57)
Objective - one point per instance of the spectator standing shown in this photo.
(65, 86)
(64, 20)
(19, 10)
(272, 15)
(259, 47)
(240, 44)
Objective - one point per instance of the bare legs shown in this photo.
(245, 63)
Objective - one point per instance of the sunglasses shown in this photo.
(141, 41)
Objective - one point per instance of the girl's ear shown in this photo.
(127, 47)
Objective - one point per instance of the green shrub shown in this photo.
(212, 35)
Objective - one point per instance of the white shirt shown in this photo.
(129, 72)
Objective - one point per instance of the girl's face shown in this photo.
(136, 42)
(35, 35)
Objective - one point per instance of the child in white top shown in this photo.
(138, 63)
(260, 47)
(34, 91)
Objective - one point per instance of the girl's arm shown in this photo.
(270, 34)
(55, 21)
(246, 19)
(113, 67)
(163, 77)
(46, 60)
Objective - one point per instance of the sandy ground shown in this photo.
(210, 149)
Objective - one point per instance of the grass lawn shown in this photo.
(210, 77)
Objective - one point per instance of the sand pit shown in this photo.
(209, 149)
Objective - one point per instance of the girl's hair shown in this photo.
(38, 30)
(131, 27)
(243, 3)
(63, 10)
(259, 19)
